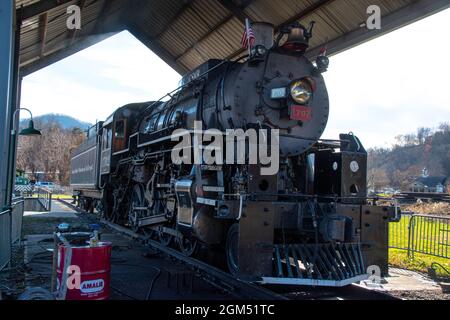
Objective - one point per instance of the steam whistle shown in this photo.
(309, 31)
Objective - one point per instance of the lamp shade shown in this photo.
(30, 131)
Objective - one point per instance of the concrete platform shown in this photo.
(401, 280)
(137, 272)
(58, 211)
(404, 280)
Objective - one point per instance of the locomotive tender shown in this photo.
(311, 223)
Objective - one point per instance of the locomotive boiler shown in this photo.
(308, 223)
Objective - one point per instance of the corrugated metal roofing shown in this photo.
(186, 33)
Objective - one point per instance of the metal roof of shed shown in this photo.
(186, 33)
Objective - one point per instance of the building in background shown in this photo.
(426, 183)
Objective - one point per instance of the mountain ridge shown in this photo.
(400, 165)
(65, 121)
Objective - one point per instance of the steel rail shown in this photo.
(216, 277)
(247, 290)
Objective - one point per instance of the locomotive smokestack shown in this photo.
(263, 34)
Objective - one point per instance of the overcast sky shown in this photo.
(388, 86)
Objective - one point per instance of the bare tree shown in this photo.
(423, 134)
(379, 179)
(50, 152)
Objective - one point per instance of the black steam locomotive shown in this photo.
(308, 223)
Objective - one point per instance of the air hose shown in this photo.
(432, 270)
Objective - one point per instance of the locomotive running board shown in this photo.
(152, 220)
(313, 282)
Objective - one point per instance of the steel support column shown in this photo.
(7, 27)
(16, 85)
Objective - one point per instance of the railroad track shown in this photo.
(245, 290)
(426, 196)
(216, 277)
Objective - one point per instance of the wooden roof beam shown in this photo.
(212, 30)
(43, 24)
(62, 52)
(406, 15)
(39, 8)
(143, 37)
(106, 7)
(187, 5)
(311, 9)
(236, 10)
(73, 32)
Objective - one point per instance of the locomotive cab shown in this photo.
(120, 135)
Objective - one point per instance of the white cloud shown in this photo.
(98, 80)
(132, 65)
(76, 99)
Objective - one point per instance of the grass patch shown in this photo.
(62, 196)
(54, 196)
(430, 236)
(420, 262)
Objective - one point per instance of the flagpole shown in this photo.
(247, 28)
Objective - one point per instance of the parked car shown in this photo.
(45, 184)
(54, 188)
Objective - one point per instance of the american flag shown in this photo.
(248, 37)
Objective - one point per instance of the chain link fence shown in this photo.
(44, 197)
(5, 238)
(16, 219)
(10, 229)
(420, 233)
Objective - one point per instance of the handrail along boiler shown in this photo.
(311, 223)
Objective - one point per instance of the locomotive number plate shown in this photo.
(301, 113)
(278, 93)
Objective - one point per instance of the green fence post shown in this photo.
(411, 237)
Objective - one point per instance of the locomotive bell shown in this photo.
(298, 38)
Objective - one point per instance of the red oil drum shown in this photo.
(94, 265)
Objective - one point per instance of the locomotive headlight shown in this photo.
(301, 91)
